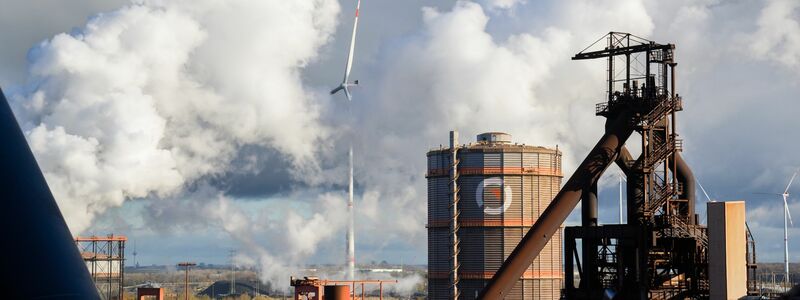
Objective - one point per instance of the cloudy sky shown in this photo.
(197, 127)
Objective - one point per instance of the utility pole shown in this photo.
(186, 266)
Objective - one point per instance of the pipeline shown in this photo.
(686, 178)
(44, 262)
(588, 173)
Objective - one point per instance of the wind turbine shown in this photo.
(351, 253)
(345, 81)
(786, 217)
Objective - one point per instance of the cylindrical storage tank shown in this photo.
(503, 189)
(336, 292)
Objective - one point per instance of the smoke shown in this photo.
(294, 238)
(275, 239)
(153, 96)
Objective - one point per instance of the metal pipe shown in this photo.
(686, 178)
(587, 174)
(454, 215)
(674, 125)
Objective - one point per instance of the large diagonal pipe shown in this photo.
(40, 259)
(588, 173)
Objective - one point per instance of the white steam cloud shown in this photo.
(155, 95)
(291, 237)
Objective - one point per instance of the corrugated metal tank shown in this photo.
(504, 188)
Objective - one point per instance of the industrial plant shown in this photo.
(497, 216)
(496, 209)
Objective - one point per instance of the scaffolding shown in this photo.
(105, 259)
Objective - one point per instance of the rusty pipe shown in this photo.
(686, 178)
(587, 174)
(589, 206)
(622, 160)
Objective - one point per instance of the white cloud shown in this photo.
(778, 35)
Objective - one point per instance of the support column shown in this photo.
(589, 245)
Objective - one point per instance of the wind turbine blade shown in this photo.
(352, 45)
(703, 189)
(347, 93)
(790, 182)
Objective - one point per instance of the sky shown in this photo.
(198, 127)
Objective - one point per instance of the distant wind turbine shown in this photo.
(351, 253)
(786, 217)
(346, 80)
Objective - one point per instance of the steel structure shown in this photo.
(482, 198)
(662, 230)
(105, 259)
(49, 266)
(661, 252)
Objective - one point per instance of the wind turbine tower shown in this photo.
(345, 86)
(786, 215)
